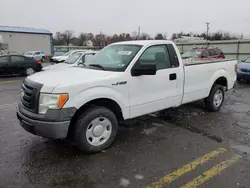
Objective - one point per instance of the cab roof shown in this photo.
(145, 42)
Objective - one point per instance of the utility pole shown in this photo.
(207, 23)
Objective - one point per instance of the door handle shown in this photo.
(172, 76)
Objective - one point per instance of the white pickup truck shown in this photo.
(124, 80)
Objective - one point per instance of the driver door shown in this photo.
(150, 93)
(4, 60)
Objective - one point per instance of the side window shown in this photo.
(158, 55)
(173, 56)
(3, 59)
(218, 51)
(212, 53)
(16, 59)
(205, 53)
(37, 53)
(88, 57)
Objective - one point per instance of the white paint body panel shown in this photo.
(200, 78)
(141, 94)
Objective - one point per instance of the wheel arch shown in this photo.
(220, 77)
(103, 102)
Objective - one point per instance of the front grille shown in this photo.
(245, 70)
(30, 95)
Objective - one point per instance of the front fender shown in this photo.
(93, 93)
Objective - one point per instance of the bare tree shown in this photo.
(159, 36)
(58, 40)
(82, 38)
(67, 36)
(144, 36)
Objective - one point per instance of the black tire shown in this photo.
(209, 101)
(29, 71)
(82, 123)
(239, 81)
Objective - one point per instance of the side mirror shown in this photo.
(144, 69)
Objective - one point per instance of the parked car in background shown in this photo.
(243, 71)
(37, 55)
(19, 64)
(203, 53)
(58, 54)
(75, 59)
(62, 58)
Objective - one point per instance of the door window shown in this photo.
(205, 53)
(212, 53)
(156, 55)
(16, 59)
(3, 59)
(218, 51)
(88, 57)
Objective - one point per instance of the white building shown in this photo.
(189, 39)
(22, 39)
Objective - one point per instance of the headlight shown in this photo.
(51, 101)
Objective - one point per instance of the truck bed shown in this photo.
(201, 74)
(195, 61)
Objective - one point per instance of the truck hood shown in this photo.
(60, 58)
(56, 66)
(66, 77)
(244, 65)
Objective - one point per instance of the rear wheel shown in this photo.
(215, 99)
(95, 129)
(29, 71)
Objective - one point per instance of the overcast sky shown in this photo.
(116, 16)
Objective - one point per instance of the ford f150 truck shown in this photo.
(124, 80)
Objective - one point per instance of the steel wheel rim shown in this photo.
(30, 71)
(218, 98)
(99, 131)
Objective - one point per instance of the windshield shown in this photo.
(28, 53)
(114, 57)
(67, 54)
(191, 53)
(73, 58)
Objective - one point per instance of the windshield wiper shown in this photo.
(97, 65)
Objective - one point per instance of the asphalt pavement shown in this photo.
(182, 147)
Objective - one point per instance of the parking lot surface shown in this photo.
(183, 147)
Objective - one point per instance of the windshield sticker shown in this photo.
(121, 65)
(124, 52)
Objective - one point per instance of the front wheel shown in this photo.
(215, 99)
(95, 129)
(29, 71)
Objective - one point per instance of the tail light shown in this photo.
(38, 62)
(235, 68)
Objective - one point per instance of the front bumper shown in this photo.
(242, 76)
(54, 124)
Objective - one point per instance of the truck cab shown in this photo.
(122, 81)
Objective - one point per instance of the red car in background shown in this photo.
(204, 53)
